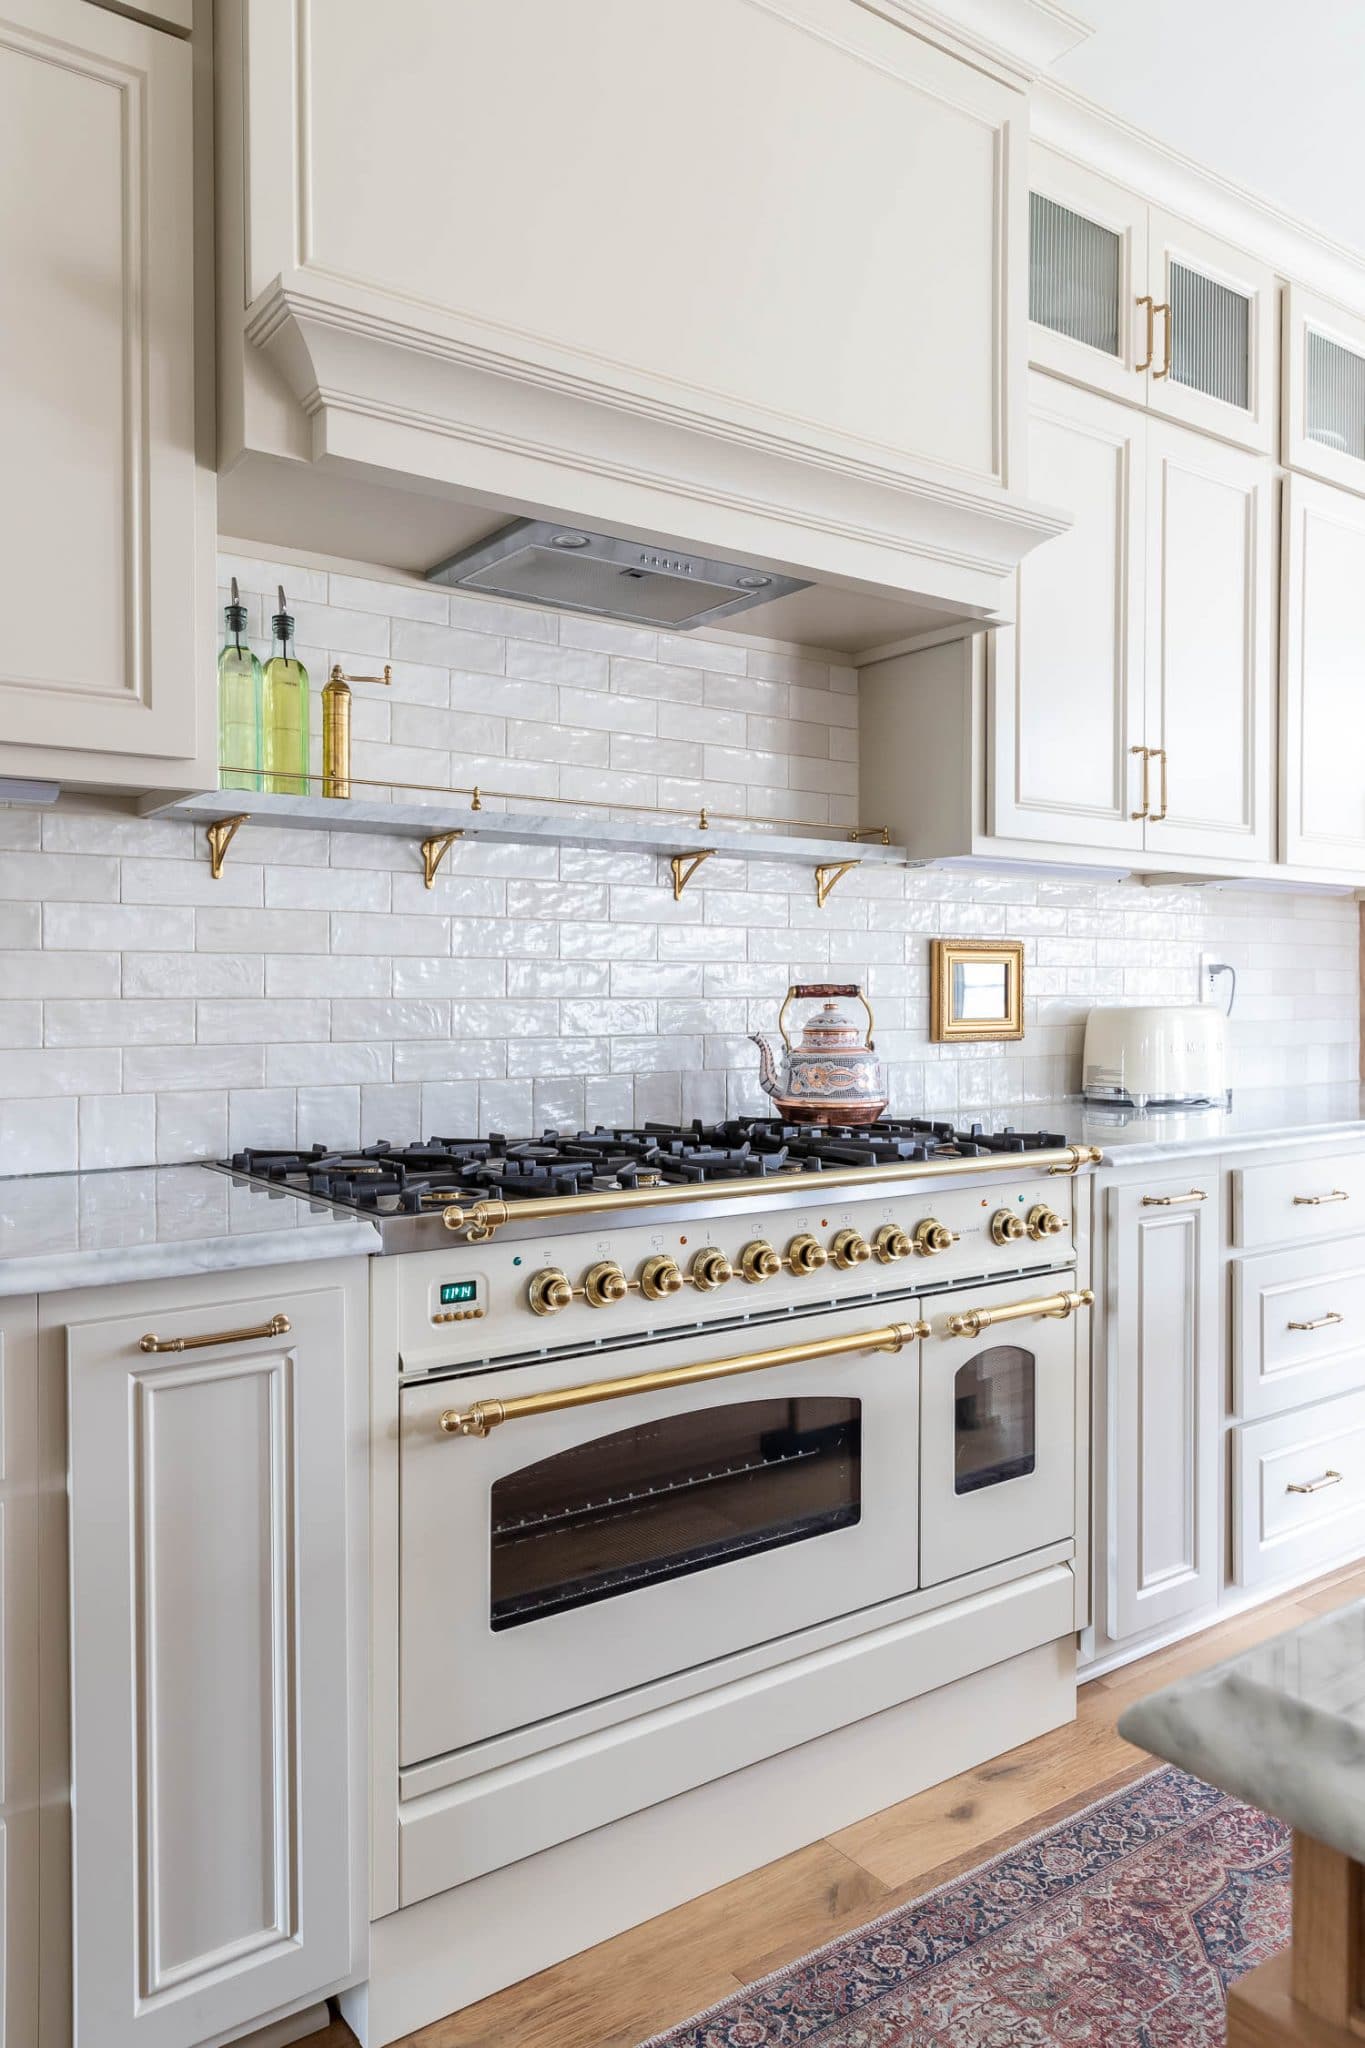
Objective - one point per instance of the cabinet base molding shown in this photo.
(449, 1951)
(281, 2033)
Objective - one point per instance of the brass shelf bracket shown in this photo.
(220, 835)
(434, 851)
(684, 866)
(828, 875)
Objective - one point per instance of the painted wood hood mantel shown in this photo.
(748, 277)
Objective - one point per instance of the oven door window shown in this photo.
(994, 1418)
(665, 1499)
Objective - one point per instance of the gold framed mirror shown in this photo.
(976, 989)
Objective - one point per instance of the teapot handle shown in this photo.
(798, 992)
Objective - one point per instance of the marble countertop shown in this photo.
(1255, 1116)
(61, 1230)
(1281, 1726)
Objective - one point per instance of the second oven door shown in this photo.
(998, 1432)
(567, 1556)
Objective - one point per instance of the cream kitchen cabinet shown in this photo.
(1149, 308)
(1323, 677)
(1162, 1356)
(106, 532)
(693, 300)
(218, 1480)
(1128, 714)
(21, 1817)
(1324, 389)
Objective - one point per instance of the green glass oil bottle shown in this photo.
(239, 704)
(285, 712)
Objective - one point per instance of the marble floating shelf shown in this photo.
(436, 827)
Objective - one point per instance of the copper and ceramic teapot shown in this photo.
(833, 1075)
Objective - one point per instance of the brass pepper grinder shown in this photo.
(336, 728)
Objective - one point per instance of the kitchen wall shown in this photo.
(319, 992)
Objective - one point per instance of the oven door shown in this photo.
(998, 1427)
(570, 1554)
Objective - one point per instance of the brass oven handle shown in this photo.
(1316, 1201)
(1320, 1322)
(1146, 753)
(973, 1321)
(278, 1326)
(1328, 1478)
(1173, 1201)
(1165, 370)
(485, 1415)
(1148, 301)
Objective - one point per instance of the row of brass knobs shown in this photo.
(661, 1276)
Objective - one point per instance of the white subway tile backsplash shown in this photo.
(319, 993)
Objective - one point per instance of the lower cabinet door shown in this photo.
(1165, 1376)
(212, 1824)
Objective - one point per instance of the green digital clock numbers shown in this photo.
(453, 1292)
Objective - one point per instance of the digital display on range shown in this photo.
(453, 1292)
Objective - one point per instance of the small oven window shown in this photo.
(669, 1498)
(994, 1402)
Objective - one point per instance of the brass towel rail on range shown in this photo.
(481, 1219)
(483, 1416)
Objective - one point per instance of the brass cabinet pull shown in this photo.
(1314, 1485)
(1173, 1201)
(1165, 310)
(1157, 816)
(973, 1321)
(1320, 1322)
(1146, 753)
(1147, 301)
(485, 1415)
(1316, 1201)
(278, 1326)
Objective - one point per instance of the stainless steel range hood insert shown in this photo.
(538, 562)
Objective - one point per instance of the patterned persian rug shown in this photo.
(1121, 1927)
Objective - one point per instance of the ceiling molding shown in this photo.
(1019, 39)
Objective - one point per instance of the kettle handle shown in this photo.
(798, 992)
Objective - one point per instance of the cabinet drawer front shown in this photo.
(1285, 1204)
(1300, 1327)
(1298, 1485)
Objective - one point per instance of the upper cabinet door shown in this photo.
(1323, 713)
(1210, 650)
(1324, 390)
(1087, 267)
(97, 399)
(1066, 681)
(1215, 334)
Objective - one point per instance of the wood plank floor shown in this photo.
(653, 1976)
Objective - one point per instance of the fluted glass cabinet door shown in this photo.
(1215, 335)
(1087, 253)
(1324, 390)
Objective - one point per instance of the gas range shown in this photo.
(409, 1190)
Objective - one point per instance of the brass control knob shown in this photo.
(892, 1243)
(806, 1254)
(604, 1284)
(932, 1236)
(758, 1261)
(659, 1277)
(710, 1269)
(1044, 1222)
(1007, 1227)
(850, 1248)
(549, 1291)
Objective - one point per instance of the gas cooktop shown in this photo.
(420, 1180)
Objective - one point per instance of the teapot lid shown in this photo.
(828, 1022)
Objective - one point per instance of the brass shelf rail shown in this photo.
(480, 1221)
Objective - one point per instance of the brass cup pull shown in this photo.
(278, 1326)
(1316, 1201)
(972, 1321)
(1314, 1485)
(483, 1416)
(1174, 1201)
(1150, 304)
(1146, 809)
(1165, 311)
(1320, 1322)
